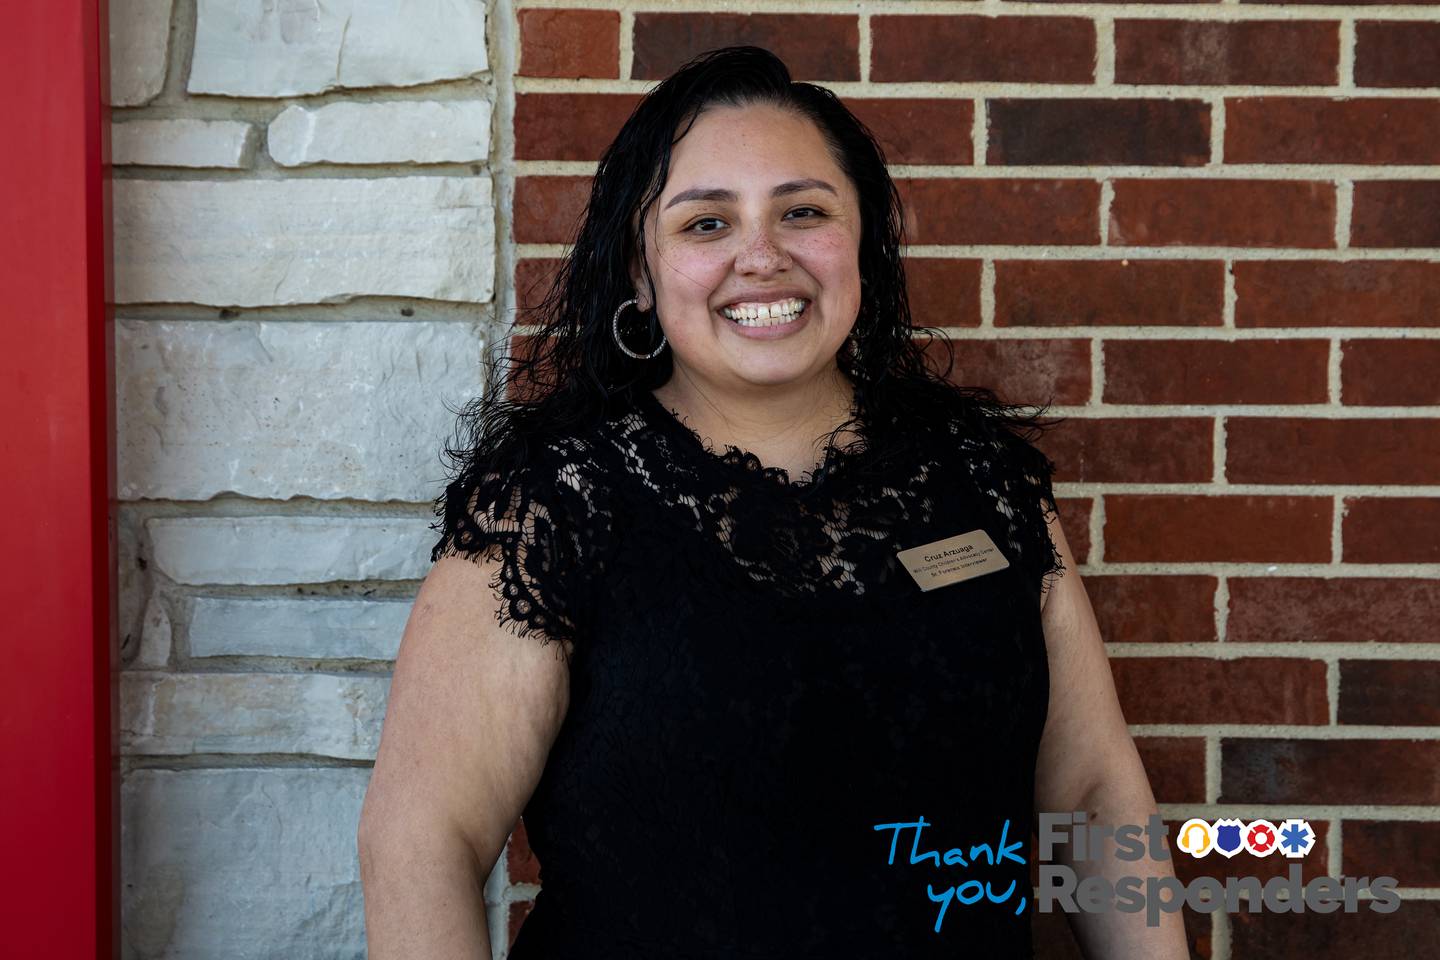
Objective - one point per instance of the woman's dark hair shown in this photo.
(570, 373)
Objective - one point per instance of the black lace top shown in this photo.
(759, 687)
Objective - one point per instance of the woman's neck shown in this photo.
(785, 426)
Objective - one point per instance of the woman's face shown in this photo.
(756, 211)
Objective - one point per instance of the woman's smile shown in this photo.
(768, 321)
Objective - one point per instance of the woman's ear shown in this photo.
(642, 289)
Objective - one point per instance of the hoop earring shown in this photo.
(615, 332)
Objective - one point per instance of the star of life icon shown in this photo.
(1228, 836)
(1296, 838)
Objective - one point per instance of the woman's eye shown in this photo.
(695, 227)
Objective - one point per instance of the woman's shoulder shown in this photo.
(996, 444)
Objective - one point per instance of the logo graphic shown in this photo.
(1196, 837)
(1296, 838)
(1227, 837)
(1260, 838)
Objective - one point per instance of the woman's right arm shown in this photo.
(472, 712)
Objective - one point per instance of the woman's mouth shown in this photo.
(774, 314)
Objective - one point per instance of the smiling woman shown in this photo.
(805, 587)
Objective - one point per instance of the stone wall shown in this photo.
(305, 226)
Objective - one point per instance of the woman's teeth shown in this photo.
(766, 314)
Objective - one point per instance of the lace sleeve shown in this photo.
(1013, 471)
(529, 519)
(1035, 472)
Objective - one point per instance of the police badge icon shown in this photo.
(1228, 838)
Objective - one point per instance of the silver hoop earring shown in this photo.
(615, 332)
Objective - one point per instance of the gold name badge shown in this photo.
(954, 559)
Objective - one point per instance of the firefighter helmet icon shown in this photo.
(1196, 838)
(1261, 837)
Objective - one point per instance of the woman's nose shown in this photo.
(760, 252)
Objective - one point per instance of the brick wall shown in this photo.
(1210, 235)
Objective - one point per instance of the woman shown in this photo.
(776, 649)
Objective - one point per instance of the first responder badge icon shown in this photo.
(1295, 837)
(1196, 838)
(1260, 837)
(1228, 837)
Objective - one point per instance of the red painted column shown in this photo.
(58, 798)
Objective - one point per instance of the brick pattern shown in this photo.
(1212, 241)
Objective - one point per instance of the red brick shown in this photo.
(1397, 54)
(1245, 864)
(549, 209)
(1192, 528)
(1298, 450)
(1175, 767)
(966, 49)
(569, 126)
(1132, 449)
(1009, 211)
(1239, 213)
(1075, 521)
(813, 46)
(519, 910)
(1322, 130)
(1390, 692)
(533, 277)
(1407, 932)
(1216, 371)
(1408, 850)
(1057, 293)
(1205, 690)
(1153, 608)
(919, 129)
(1266, 770)
(521, 861)
(1354, 293)
(1030, 371)
(569, 43)
(1333, 610)
(1396, 213)
(1258, 52)
(1391, 530)
(944, 292)
(1077, 131)
(1386, 372)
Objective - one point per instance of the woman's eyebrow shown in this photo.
(716, 194)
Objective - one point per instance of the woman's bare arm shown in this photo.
(1088, 761)
(472, 713)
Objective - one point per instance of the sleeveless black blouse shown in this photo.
(762, 697)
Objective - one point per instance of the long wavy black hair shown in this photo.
(570, 373)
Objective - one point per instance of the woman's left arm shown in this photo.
(1088, 761)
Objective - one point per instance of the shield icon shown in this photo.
(1228, 839)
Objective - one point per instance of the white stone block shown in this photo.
(252, 243)
(284, 627)
(309, 713)
(225, 144)
(139, 41)
(155, 636)
(296, 48)
(452, 131)
(280, 409)
(241, 864)
(277, 550)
